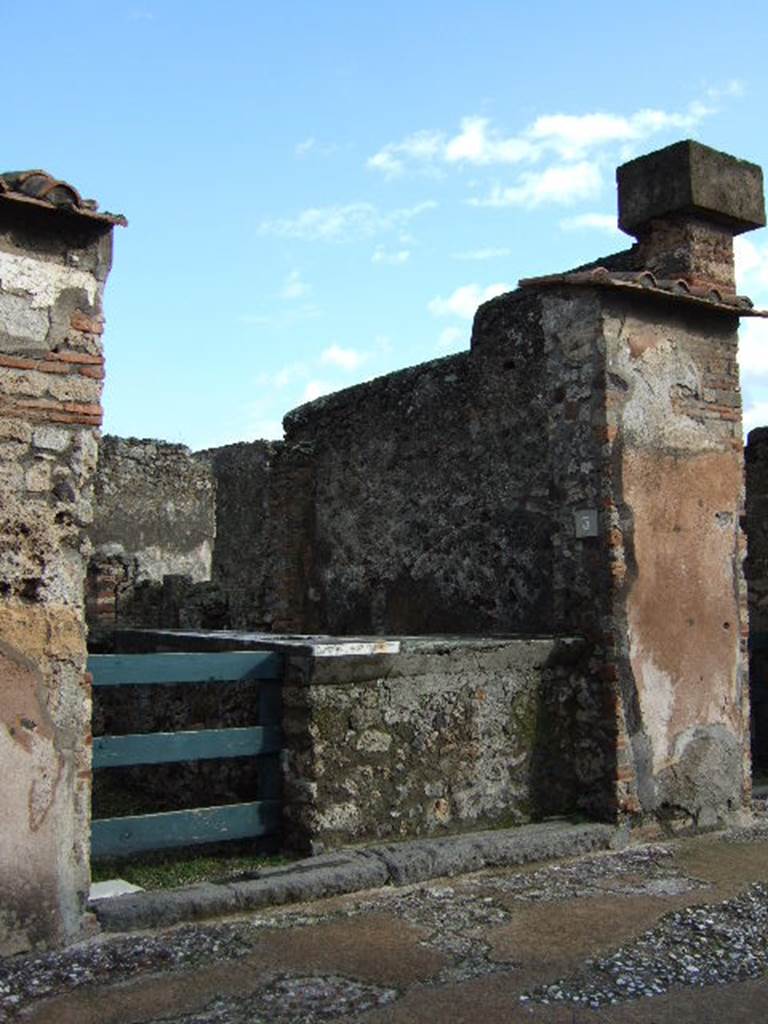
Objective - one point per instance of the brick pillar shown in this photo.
(675, 464)
(55, 254)
(684, 204)
(646, 449)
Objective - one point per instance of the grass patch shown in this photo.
(168, 870)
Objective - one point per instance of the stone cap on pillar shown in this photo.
(690, 179)
(684, 204)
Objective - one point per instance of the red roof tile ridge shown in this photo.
(699, 292)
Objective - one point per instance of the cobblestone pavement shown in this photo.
(668, 931)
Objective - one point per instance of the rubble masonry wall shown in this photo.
(53, 267)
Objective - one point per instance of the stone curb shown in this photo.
(350, 871)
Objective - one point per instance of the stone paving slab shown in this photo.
(672, 932)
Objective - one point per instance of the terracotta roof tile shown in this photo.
(42, 189)
(646, 282)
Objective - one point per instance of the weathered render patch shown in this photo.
(678, 487)
(42, 282)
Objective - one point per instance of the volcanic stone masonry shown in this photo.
(55, 254)
(155, 521)
(756, 454)
(578, 471)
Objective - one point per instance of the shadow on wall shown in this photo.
(573, 764)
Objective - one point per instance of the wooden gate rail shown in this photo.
(136, 833)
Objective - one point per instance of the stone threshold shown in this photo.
(352, 870)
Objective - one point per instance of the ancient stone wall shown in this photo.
(410, 736)
(756, 466)
(55, 255)
(579, 469)
(182, 539)
(156, 502)
(154, 522)
(243, 544)
(443, 736)
(756, 457)
(429, 490)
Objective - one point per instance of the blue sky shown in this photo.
(319, 193)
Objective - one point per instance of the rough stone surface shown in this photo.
(657, 932)
(154, 531)
(444, 736)
(690, 178)
(52, 273)
(352, 871)
(181, 540)
(404, 737)
(756, 567)
(429, 501)
(446, 498)
(243, 544)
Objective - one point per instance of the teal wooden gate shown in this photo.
(136, 833)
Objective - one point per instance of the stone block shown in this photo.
(38, 477)
(12, 429)
(691, 179)
(21, 325)
(53, 439)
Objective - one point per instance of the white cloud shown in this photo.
(302, 148)
(751, 264)
(287, 317)
(342, 223)
(344, 358)
(482, 254)
(733, 88)
(316, 148)
(561, 183)
(423, 146)
(464, 301)
(755, 415)
(294, 287)
(395, 258)
(280, 379)
(451, 338)
(591, 221)
(753, 347)
(479, 143)
(315, 389)
(475, 144)
(264, 430)
(572, 135)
